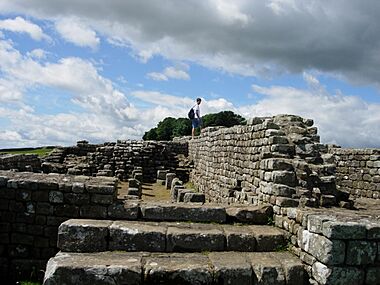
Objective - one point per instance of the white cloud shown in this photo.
(344, 120)
(170, 72)
(77, 32)
(37, 53)
(245, 37)
(20, 25)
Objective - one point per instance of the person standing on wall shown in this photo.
(196, 122)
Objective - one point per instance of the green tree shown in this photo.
(170, 127)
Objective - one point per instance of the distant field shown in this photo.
(39, 151)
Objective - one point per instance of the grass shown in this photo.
(29, 283)
(43, 151)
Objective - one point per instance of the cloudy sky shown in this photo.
(107, 70)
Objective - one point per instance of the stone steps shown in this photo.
(77, 235)
(279, 268)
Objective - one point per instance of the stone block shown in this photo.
(102, 199)
(93, 211)
(239, 238)
(293, 268)
(193, 197)
(315, 222)
(268, 238)
(123, 211)
(183, 212)
(169, 179)
(284, 177)
(250, 214)
(134, 191)
(194, 237)
(174, 192)
(178, 269)
(231, 268)
(286, 202)
(181, 194)
(266, 269)
(361, 252)
(161, 174)
(344, 230)
(133, 236)
(56, 197)
(328, 251)
(337, 275)
(83, 235)
(94, 268)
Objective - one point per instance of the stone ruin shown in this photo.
(271, 205)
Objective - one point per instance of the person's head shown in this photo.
(199, 100)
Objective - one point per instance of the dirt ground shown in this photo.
(150, 191)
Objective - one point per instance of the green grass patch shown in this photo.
(29, 283)
(43, 151)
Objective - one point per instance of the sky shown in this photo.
(107, 70)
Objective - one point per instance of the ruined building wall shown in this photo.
(276, 160)
(32, 206)
(21, 162)
(358, 171)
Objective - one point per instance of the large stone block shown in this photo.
(123, 211)
(344, 230)
(169, 179)
(83, 235)
(293, 268)
(193, 197)
(231, 268)
(325, 250)
(94, 268)
(239, 238)
(133, 236)
(266, 269)
(373, 275)
(268, 238)
(254, 215)
(194, 237)
(178, 269)
(337, 275)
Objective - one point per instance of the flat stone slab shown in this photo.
(183, 212)
(278, 268)
(137, 236)
(239, 238)
(80, 235)
(94, 268)
(185, 237)
(178, 269)
(268, 238)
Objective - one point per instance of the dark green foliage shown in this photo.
(170, 127)
(224, 118)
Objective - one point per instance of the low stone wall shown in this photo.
(21, 162)
(32, 206)
(338, 246)
(358, 171)
(116, 159)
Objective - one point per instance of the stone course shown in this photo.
(358, 171)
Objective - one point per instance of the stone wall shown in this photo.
(116, 159)
(337, 246)
(276, 160)
(358, 171)
(21, 162)
(32, 206)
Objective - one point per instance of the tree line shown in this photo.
(170, 127)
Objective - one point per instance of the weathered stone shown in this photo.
(94, 268)
(93, 211)
(133, 236)
(268, 238)
(327, 251)
(254, 215)
(83, 235)
(194, 198)
(344, 230)
(194, 237)
(337, 275)
(169, 179)
(266, 269)
(361, 252)
(231, 268)
(239, 238)
(293, 268)
(123, 211)
(181, 194)
(177, 269)
(174, 192)
(183, 212)
(55, 197)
